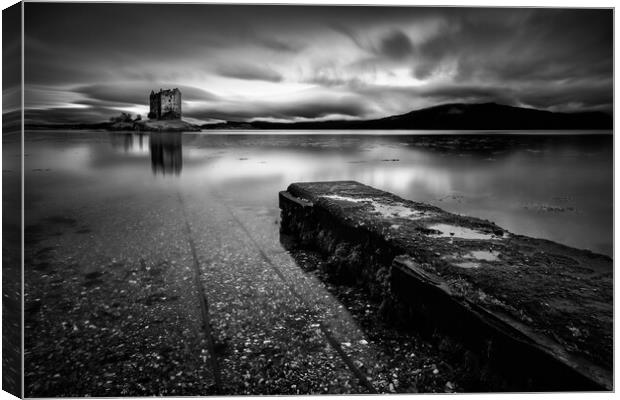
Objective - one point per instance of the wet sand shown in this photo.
(116, 312)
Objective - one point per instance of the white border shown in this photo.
(462, 3)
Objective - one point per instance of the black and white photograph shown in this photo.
(227, 199)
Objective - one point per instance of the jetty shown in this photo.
(524, 314)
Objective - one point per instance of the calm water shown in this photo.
(557, 187)
(125, 233)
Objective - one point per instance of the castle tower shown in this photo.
(165, 104)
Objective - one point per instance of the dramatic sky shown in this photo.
(87, 62)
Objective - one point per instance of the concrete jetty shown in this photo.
(523, 313)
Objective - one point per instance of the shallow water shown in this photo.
(446, 230)
(473, 258)
(554, 187)
(485, 255)
(125, 233)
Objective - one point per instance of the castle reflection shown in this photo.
(165, 149)
(129, 143)
(166, 153)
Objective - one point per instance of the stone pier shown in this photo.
(522, 313)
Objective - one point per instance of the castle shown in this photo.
(166, 104)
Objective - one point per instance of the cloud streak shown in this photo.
(305, 62)
(249, 72)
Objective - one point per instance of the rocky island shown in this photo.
(164, 115)
(171, 125)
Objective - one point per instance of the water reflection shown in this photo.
(130, 143)
(552, 186)
(164, 148)
(166, 153)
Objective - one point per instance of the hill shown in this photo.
(457, 116)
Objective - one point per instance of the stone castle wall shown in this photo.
(166, 104)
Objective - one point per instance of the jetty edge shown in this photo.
(523, 314)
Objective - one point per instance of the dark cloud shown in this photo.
(109, 57)
(11, 46)
(396, 45)
(281, 45)
(11, 56)
(137, 93)
(524, 45)
(249, 72)
(349, 32)
(319, 109)
(572, 96)
(327, 80)
(424, 70)
(468, 93)
(314, 108)
(68, 115)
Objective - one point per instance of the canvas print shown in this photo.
(227, 199)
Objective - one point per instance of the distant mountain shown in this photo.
(456, 116)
